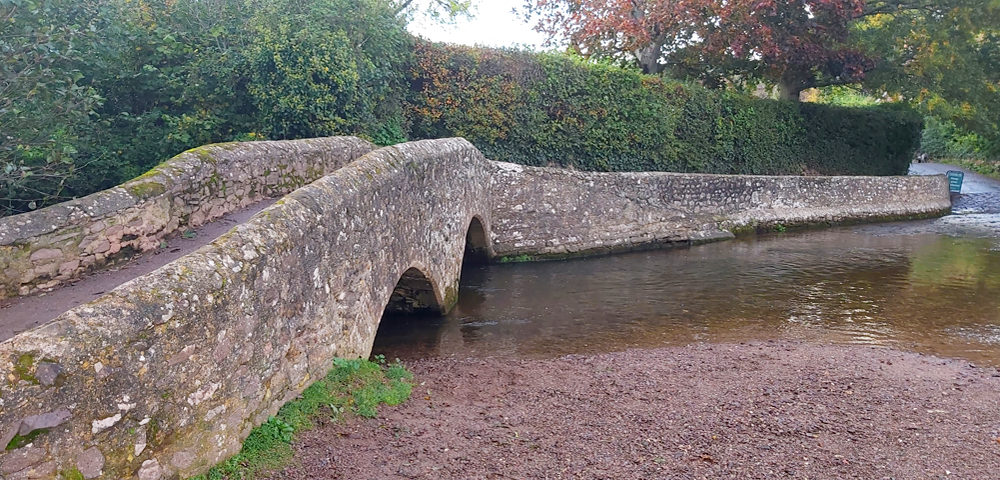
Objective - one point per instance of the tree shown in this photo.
(643, 31)
(795, 44)
(942, 55)
(44, 106)
(443, 10)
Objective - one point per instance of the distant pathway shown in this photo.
(23, 313)
(980, 194)
(975, 212)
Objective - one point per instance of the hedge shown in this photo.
(551, 109)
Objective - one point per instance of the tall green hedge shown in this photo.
(549, 109)
(103, 90)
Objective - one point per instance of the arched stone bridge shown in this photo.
(166, 375)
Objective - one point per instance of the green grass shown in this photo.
(517, 258)
(357, 386)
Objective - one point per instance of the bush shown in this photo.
(104, 90)
(45, 106)
(320, 72)
(101, 91)
(943, 140)
(548, 109)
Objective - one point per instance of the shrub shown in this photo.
(549, 109)
(944, 140)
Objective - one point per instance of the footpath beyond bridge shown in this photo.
(165, 375)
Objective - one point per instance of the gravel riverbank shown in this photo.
(764, 410)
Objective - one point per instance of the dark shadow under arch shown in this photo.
(413, 294)
(476, 244)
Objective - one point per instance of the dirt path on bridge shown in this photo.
(23, 313)
(767, 410)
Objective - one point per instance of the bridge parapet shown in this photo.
(54, 245)
(167, 374)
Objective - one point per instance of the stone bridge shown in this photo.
(167, 374)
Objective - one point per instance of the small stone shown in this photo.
(100, 246)
(98, 426)
(140, 442)
(183, 459)
(44, 254)
(69, 268)
(21, 459)
(91, 463)
(45, 470)
(150, 470)
(46, 373)
(45, 420)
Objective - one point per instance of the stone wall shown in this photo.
(47, 247)
(553, 213)
(166, 375)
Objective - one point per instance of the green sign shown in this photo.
(955, 180)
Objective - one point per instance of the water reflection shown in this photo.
(929, 293)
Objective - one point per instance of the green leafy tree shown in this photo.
(44, 105)
(442, 10)
(314, 71)
(944, 56)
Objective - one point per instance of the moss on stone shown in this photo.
(22, 440)
(71, 474)
(516, 258)
(204, 153)
(147, 189)
(450, 298)
(24, 368)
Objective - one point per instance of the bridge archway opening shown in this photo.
(413, 294)
(476, 244)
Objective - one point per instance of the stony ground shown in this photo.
(768, 410)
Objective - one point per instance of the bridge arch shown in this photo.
(477, 243)
(414, 293)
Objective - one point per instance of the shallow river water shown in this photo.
(865, 285)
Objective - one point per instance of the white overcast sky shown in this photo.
(493, 25)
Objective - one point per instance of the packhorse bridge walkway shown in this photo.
(166, 375)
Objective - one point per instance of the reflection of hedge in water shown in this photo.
(553, 109)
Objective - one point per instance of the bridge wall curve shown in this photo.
(167, 374)
(554, 213)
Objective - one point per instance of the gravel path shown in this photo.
(768, 410)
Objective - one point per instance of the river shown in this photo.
(929, 286)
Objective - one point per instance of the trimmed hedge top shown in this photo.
(549, 109)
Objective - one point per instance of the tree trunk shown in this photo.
(789, 89)
(648, 58)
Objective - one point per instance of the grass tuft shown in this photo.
(357, 386)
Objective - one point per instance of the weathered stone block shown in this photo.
(45, 255)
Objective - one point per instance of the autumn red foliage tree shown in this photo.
(641, 30)
(795, 44)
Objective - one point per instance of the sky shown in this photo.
(494, 25)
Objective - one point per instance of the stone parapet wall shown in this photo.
(47, 247)
(545, 212)
(166, 375)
